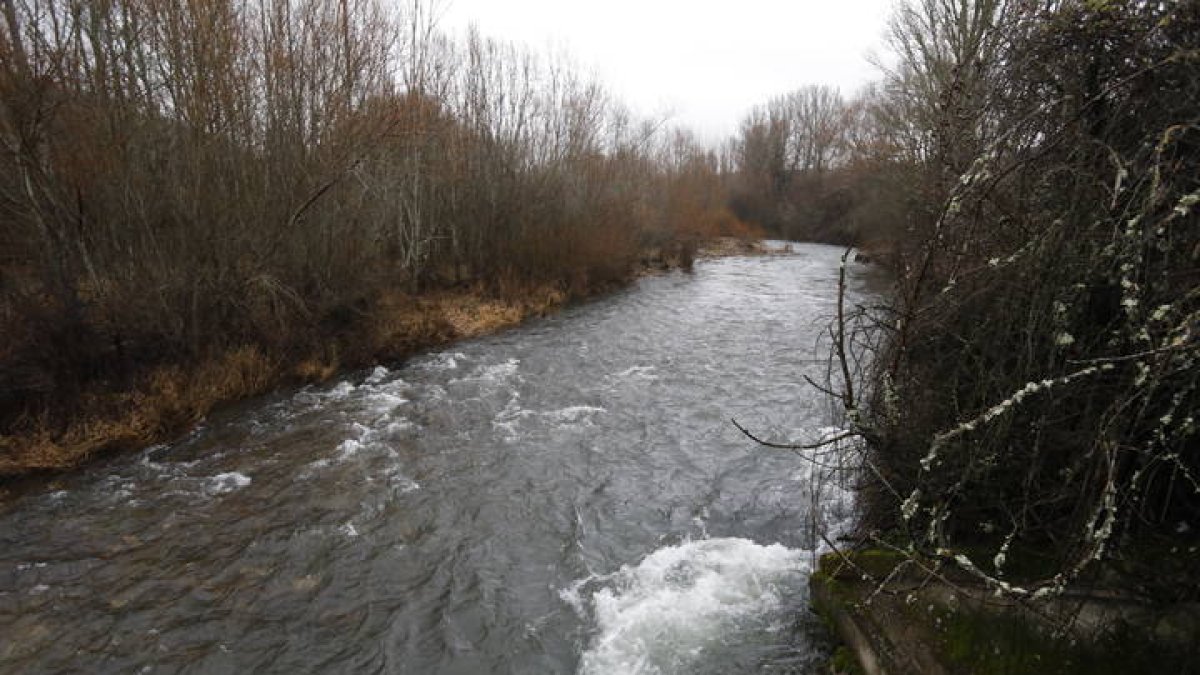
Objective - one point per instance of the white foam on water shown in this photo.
(341, 391)
(645, 373)
(837, 502)
(573, 595)
(443, 361)
(508, 429)
(400, 483)
(165, 470)
(659, 616)
(496, 373)
(574, 414)
(345, 450)
(305, 398)
(368, 441)
(224, 483)
(509, 418)
(348, 448)
(396, 426)
(383, 401)
(117, 490)
(378, 375)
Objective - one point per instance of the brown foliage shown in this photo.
(183, 185)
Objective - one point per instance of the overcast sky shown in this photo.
(705, 61)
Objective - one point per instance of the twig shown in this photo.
(1131, 357)
(795, 446)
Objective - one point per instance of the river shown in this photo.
(568, 496)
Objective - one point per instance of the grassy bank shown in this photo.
(167, 399)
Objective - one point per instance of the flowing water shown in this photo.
(565, 497)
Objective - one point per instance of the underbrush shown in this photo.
(1033, 384)
(160, 400)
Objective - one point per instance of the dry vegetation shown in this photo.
(201, 200)
(170, 398)
(813, 165)
(1032, 387)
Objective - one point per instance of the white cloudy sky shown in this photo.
(704, 61)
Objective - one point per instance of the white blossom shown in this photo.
(1186, 203)
(909, 508)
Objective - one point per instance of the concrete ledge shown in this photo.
(921, 626)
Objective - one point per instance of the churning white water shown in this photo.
(671, 611)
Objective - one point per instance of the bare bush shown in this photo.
(1036, 394)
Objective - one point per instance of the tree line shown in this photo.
(817, 165)
(181, 181)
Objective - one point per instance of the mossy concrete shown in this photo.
(874, 628)
(920, 624)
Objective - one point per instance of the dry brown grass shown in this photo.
(172, 399)
(446, 315)
(316, 369)
(167, 401)
(470, 316)
(729, 246)
(473, 314)
(401, 324)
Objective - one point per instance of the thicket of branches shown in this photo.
(1034, 388)
(182, 179)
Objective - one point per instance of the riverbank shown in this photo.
(895, 617)
(169, 399)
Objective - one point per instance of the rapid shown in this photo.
(568, 496)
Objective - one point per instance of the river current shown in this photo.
(568, 496)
